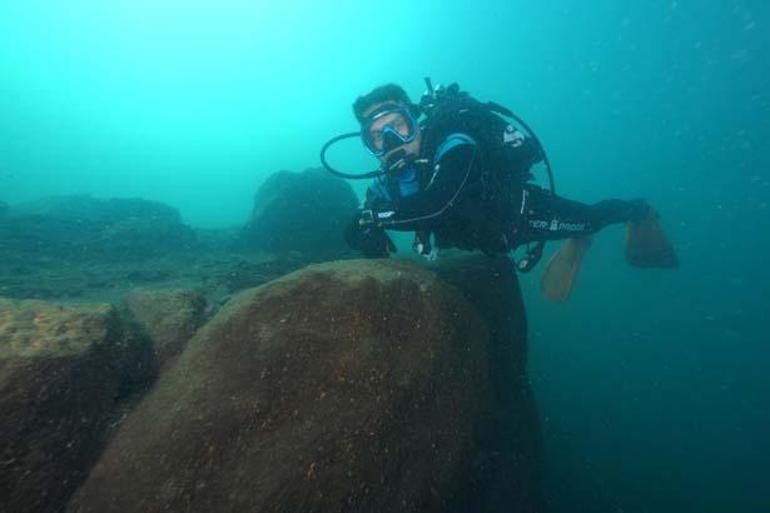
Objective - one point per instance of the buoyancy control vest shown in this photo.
(506, 155)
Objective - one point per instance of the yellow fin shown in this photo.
(562, 269)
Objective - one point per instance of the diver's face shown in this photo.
(397, 122)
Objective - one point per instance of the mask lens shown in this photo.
(389, 129)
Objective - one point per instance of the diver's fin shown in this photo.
(647, 245)
(562, 269)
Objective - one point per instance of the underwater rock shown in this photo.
(63, 372)
(81, 227)
(170, 318)
(359, 386)
(251, 273)
(216, 240)
(305, 212)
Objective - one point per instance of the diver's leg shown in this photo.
(545, 216)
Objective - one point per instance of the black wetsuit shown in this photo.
(455, 197)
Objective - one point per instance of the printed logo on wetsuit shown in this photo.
(512, 137)
(555, 225)
(572, 227)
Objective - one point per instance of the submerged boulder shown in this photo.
(63, 372)
(305, 212)
(169, 316)
(85, 227)
(368, 386)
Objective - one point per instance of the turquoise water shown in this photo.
(652, 385)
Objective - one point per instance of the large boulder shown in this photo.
(82, 227)
(63, 373)
(305, 212)
(368, 386)
(169, 316)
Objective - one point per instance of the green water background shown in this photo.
(652, 386)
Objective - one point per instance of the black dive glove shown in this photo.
(371, 240)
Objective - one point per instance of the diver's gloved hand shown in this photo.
(639, 210)
(369, 239)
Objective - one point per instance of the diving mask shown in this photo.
(388, 128)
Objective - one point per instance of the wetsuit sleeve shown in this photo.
(451, 171)
(544, 216)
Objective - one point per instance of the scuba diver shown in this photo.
(457, 173)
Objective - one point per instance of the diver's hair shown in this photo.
(388, 93)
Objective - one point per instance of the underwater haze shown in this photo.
(652, 386)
